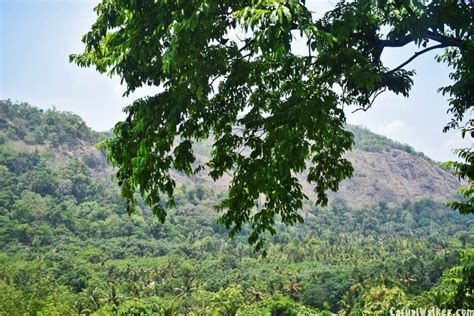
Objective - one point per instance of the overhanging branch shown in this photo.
(421, 52)
(396, 43)
(443, 39)
(440, 38)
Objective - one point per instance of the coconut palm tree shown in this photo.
(292, 288)
(92, 295)
(346, 304)
(438, 297)
(186, 288)
(254, 295)
(114, 298)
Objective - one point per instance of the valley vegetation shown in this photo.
(69, 246)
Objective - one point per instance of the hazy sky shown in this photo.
(37, 36)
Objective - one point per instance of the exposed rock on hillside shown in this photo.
(394, 176)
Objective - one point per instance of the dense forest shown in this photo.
(68, 245)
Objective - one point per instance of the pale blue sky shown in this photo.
(37, 36)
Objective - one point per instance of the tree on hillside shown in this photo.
(226, 70)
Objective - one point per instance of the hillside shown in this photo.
(68, 246)
(385, 171)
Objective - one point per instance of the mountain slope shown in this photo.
(384, 170)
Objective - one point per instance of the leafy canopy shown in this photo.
(226, 70)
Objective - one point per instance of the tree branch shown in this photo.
(396, 43)
(376, 94)
(248, 43)
(421, 52)
(440, 38)
(443, 39)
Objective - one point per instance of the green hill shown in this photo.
(68, 245)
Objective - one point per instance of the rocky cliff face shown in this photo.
(394, 176)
